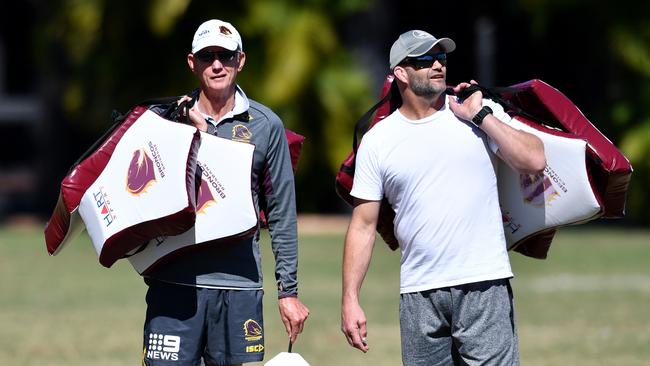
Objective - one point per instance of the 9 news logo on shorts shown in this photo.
(163, 347)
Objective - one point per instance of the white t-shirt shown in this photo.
(438, 174)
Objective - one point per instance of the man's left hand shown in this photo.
(293, 314)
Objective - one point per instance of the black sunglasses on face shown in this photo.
(426, 61)
(223, 56)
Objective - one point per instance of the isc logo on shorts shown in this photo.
(256, 348)
(163, 347)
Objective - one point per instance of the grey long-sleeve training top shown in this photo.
(238, 265)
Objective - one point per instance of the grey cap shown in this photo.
(416, 43)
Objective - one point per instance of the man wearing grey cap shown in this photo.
(205, 305)
(433, 159)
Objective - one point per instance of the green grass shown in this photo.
(587, 304)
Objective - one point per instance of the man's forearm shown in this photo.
(523, 151)
(359, 243)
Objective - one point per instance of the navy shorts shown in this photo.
(185, 324)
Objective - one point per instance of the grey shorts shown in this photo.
(472, 324)
(185, 324)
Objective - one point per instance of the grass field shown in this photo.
(587, 304)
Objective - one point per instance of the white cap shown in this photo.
(215, 32)
(287, 359)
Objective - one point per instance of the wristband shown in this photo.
(478, 118)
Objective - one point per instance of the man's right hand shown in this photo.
(195, 117)
(359, 241)
(353, 325)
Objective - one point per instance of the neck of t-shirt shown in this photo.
(431, 117)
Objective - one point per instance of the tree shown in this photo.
(96, 55)
(112, 54)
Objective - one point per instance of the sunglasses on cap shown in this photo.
(224, 56)
(426, 61)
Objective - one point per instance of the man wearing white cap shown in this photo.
(433, 159)
(206, 305)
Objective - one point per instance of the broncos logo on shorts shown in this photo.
(252, 330)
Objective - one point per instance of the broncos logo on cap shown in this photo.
(224, 30)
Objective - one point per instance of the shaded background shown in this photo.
(66, 64)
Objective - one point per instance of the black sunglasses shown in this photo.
(426, 61)
(223, 56)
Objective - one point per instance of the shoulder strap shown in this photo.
(495, 93)
(362, 124)
(171, 111)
